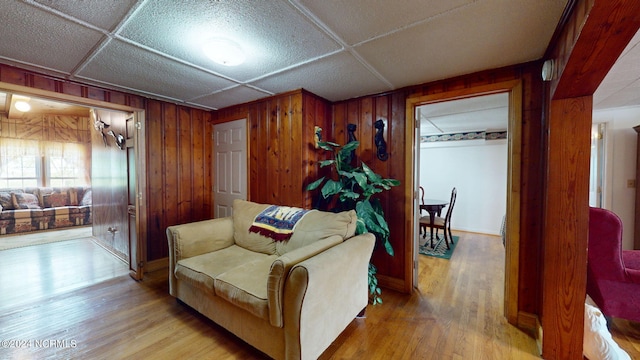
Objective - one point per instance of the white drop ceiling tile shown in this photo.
(125, 65)
(233, 96)
(478, 37)
(364, 19)
(42, 39)
(342, 77)
(101, 13)
(272, 33)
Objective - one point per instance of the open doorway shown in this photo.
(512, 218)
(96, 150)
(463, 144)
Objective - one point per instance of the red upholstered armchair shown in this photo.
(613, 274)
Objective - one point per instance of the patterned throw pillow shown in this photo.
(5, 201)
(55, 200)
(25, 201)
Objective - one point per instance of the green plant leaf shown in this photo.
(347, 174)
(392, 182)
(324, 163)
(351, 146)
(327, 145)
(314, 185)
(361, 179)
(373, 177)
(348, 148)
(361, 228)
(330, 188)
(349, 195)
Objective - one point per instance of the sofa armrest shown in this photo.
(280, 269)
(196, 238)
(201, 237)
(323, 294)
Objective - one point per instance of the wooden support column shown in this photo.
(566, 228)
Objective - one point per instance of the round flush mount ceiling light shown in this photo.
(224, 51)
(22, 106)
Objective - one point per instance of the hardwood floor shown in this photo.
(455, 314)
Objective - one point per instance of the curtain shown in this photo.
(19, 163)
(66, 160)
(44, 163)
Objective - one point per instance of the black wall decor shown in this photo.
(381, 145)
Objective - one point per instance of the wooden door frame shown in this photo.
(141, 166)
(514, 140)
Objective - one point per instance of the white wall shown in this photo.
(478, 169)
(620, 165)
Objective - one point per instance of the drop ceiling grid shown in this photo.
(338, 50)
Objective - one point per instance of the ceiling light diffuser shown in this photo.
(224, 51)
(22, 106)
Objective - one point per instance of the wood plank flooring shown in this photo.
(455, 314)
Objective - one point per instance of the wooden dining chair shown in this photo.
(444, 223)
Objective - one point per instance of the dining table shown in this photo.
(434, 208)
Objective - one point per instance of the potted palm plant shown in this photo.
(353, 188)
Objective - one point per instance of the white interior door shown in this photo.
(230, 164)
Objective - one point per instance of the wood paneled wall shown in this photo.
(282, 158)
(179, 147)
(364, 112)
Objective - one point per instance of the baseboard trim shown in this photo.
(530, 323)
(391, 283)
(539, 335)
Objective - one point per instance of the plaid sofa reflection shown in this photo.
(42, 208)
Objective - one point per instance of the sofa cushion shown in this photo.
(317, 225)
(55, 200)
(246, 286)
(200, 270)
(244, 212)
(6, 201)
(25, 201)
(21, 214)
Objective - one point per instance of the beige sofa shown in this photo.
(290, 299)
